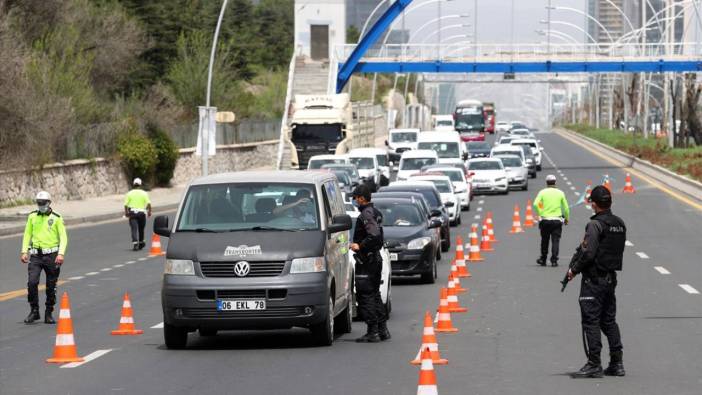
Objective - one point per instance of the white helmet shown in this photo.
(550, 178)
(43, 195)
(137, 181)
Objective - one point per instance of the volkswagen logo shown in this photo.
(242, 269)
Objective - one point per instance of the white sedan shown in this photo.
(448, 194)
(488, 175)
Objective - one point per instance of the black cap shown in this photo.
(601, 196)
(362, 191)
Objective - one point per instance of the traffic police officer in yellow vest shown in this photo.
(552, 209)
(136, 207)
(43, 247)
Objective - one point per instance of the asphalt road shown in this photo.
(521, 335)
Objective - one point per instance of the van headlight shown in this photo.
(308, 265)
(182, 267)
(418, 244)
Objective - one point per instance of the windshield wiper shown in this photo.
(259, 228)
(199, 230)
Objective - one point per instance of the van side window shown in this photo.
(336, 201)
(325, 201)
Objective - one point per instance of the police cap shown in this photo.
(601, 195)
(362, 191)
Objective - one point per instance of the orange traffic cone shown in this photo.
(444, 324)
(155, 246)
(516, 222)
(474, 255)
(628, 187)
(491, 229)
(485, 244)
(65, 347)
(427, 377)
(460, 261)
(126, 321)
(607, 183)
(429, 342)
(452, 297)
(529, 216)
(456, 283)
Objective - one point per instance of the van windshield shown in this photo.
(249, 206)
(444, 150)
(318, 163)
(362, 163)
(416, 163)
(403, 137)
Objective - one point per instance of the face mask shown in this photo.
(43, 209)
(355, 203)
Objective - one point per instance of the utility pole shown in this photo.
(548, 36)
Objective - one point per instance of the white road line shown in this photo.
(142, 259)
(481, 201)
(479, 209)
(572, 188)
(118, 265)
(76, 278)
(158, 326)
(642, 255)
(91, 273)
(90, 357)
(477, 216)
(569, 183)
(107, 269)
(565, 178)
(689, 289)
(576, 193)
(661, 270)
(129, 262)
(629, 244)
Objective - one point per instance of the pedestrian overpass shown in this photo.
(617, 57)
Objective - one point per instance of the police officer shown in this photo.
(601, 256)
(43, 247)
(136, 207)
(367, 242)
(552, 209)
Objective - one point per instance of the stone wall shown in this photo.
(81, 179)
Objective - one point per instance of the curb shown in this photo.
(673, 180)
(18, 230)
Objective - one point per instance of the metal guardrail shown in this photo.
(241, 132)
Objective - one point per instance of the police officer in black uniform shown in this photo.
(600, 257)
(367, 242)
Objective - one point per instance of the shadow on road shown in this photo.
(248, 340)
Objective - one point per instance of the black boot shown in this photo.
(135, 246)
(554, 262)
(383, 331)
(33, 316)
(371, 336)
(616, 365)
(541, 261)
(591, 370)
(48, 318)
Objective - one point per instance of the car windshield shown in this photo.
(403, 137)
(505, 140)
(342, 176)
(318, 163)
(399, 214)
(453, 175)
(444, 186)
(382, 160)
(444, 122)
(416, 163)
(478, 146)
(518, 153)
(362, 163)
(444, 150)
(511, 162)
(530, 145)
(484, 165)
(249, 206)
(350, 170)
(428, 193)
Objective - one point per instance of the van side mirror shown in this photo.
(161, 227)
(434, 223)
(386, 143)
(465, 156)
(340, 223)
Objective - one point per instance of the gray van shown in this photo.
(257, 250)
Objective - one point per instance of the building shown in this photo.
(319, 26)
(358, 12)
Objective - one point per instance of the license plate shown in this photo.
(482, 185)
(237, 305)
(393, 257)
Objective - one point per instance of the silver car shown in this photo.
(517, 174)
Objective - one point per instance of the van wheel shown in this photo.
(344, 322)
(176, 338)
(207, 332)
(323, 332)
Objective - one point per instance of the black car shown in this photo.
(433, 199)
(478, 149)
(409, 237)
(422, 203)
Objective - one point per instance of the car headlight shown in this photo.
(418, 244)
(181, 267)
(308, 265)
(499, 179)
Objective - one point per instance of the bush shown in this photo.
(137, 153)
(166, 154)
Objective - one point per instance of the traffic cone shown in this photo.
(452, 297)
(460, 261)
(628, 187)
(126, 321)
(444, 324)
(429, 342)
(485, 242)
(474, 255)
(516, 222)
(457, 283)
(155, 246)
(65, 347)
(529, 216)
(491, 229)
(607, 183)
(427, 377)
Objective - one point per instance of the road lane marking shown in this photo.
(689, 289)
(642, 255)
(566, 179)
(142, 259)
(569, 183)
(91, 273)
(572, 188)
(129, 262)
(23, 292)
(481, 201)
(118, 265)
(158, 326)
(479, 209)
(107, 269)
(576, 193)
(629, 244)
(90, 357)
(477, 216)
(76, 278)
(661, 270)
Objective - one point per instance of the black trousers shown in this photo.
(137, 222)
(47, 263)
(598, 308)
(370, 304)
(550, 230)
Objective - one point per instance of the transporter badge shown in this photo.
(242, 251)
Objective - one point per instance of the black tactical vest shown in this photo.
(612, 240)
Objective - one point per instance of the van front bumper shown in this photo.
(291, 300)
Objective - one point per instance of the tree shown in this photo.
(352, 35)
